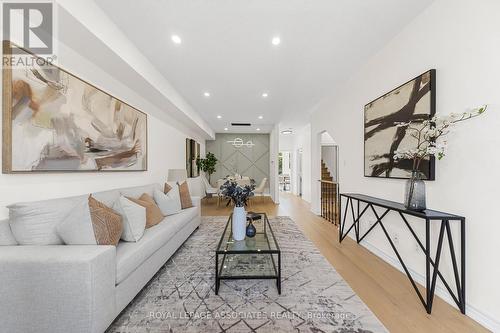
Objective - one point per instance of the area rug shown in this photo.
(181, 296)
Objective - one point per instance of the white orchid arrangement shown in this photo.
(430, 135)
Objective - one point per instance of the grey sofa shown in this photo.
(68, 288)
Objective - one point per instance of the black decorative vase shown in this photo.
(250, 229)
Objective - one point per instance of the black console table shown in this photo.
(428, 216)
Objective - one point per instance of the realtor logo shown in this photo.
(30, 25)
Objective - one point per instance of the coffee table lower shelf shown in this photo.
(261, 272)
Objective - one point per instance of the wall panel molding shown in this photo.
(247, 161)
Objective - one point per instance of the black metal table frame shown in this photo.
(277, 268)
(431, 279)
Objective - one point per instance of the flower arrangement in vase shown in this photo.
(430, 140)
(239, 195)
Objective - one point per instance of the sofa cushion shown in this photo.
(169, 203)
(133, 218)
(91, 222)
(185, 196)
(107, 223)
(34, 223)
(6, 236)
(76, 228)
(129, 256)
(153, 212)
(182, 218)
(107, 197)
(137, 191)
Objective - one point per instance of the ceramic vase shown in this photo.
(251, 229)
(239, 223)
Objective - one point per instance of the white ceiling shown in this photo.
(226, 49)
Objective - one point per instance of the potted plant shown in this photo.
(207, 164)
(239, 195)
(429, 141)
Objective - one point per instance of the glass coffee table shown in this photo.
(258, 257)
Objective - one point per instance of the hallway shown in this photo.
(385, 290)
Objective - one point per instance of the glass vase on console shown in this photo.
(415, 192)
(429, 141)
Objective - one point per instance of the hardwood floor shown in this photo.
(385, 290)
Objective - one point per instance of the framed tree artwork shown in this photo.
(53, 121)
(413, 101)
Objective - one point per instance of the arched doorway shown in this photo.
(328, 177)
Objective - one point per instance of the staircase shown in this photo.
(325, 173)
(328, 195)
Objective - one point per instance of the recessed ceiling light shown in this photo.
(258, 129)
(206, 94)
(225, 128)
(288, 131)
(276, 40)
(265, 95)
(176, 39)
(219, 117)
(261, 117)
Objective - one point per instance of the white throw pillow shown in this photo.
(34, 223)
(133, 218)
(6, 236)
(169, 203)
(77, 228)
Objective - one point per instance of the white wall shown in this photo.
(326, 139)
(166, 147)
(274, 145)
(461, 40)
(286, 142)
(302, 140)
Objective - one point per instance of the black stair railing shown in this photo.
(329, 202)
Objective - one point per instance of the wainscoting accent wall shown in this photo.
(246, 161)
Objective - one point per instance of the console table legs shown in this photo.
(427, 265)
(432, 272)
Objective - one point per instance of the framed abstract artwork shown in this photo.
(54, 121)
(413, 101)
(192, 155)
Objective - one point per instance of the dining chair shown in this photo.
(220, 182)
(260, 189)
(209, 189)
(243, 181)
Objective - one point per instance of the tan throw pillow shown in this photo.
(107, 223)
(153, 212)
(185, 196)
(166, 188)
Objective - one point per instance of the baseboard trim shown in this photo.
(482, 318)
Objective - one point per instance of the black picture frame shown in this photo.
(426, 86)
(192, 155)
